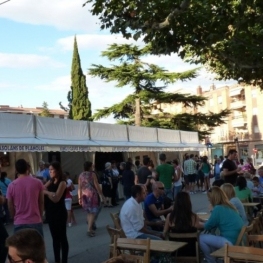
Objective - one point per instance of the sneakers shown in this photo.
(204, 192)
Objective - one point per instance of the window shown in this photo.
(219, 100)
(256, 129)
(253, 93)
(255, 111)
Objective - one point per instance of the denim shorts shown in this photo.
(38, 227)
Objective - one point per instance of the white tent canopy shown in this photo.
(29, 133)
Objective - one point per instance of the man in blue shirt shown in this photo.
(153, 205)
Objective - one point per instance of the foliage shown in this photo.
(45, 112)
(143, 78)
(79, 106)
(226, 36)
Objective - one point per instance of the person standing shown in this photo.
(115, 181)
(127, 180)
(177, 187)
(107, 184)
(89, 193)
(3, 235)
(25, 199)
(230, 169)
(165, 173)
(190, 170)
(4, 182)
(205, 168)
(56, 213)
(68, 199)
(144, 174)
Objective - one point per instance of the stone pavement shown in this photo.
(83, 249)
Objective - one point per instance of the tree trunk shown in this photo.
(137, 112)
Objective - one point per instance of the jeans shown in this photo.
(210, 243)
(38, 227)
(145, 236)
(217, 176)
(169, 193)
(176, 190)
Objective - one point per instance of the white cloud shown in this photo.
(61, 83)
(65, 15)
(93, 42)
(12, 60)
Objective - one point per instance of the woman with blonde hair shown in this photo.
(231, 195)
(225, 217)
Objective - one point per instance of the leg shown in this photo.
(91, 217)
(210, 243)
(145, 236)
(64, 241)
(55, 231)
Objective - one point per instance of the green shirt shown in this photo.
(243, 194)
(165, 172)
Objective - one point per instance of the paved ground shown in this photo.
(83, 249)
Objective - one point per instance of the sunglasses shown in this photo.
(161, 188)
(13, 261)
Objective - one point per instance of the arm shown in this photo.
(55, 197)
(227, 173)
(41, 202)
(46, 185)
(158, 213)
(2, 199)
(97, 186)
(79, 191)
(166, 225)
(136, 179)
(200, 167)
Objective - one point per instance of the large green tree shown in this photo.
(225, 36)
(148, 82)
(79, 106)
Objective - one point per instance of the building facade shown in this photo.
(243, 129)
(55, 113)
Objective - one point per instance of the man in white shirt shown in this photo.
(131, 216)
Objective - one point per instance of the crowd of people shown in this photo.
(157, 199)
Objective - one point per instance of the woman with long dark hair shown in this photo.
(183, 220)
(56, 213)
(242, 191)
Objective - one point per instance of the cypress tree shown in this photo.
(79, 106)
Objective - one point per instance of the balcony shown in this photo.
(239, 121)
(239, 104)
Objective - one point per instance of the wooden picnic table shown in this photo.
(164, 246)
(220, 253)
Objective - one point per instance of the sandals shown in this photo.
(91, 233)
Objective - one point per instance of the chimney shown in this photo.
(199, 90)
(213, 87)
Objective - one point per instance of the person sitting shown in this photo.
(154, 206)
(250, 184)
(242, 191)
(26, 246)
(183, 220)
(131, 216)
(225, 218)
(231, 195)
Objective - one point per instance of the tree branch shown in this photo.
(184, 5)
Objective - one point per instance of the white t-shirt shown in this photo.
(131, 217)
(179, 182)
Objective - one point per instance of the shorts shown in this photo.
(191, 178)
(68, 204)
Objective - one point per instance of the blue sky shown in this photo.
(36, 51)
